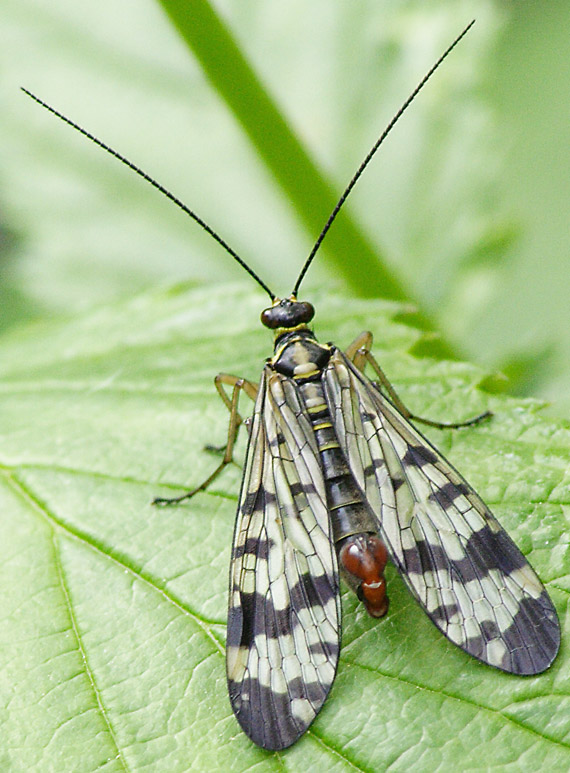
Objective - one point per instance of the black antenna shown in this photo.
(371, 153)
(159, 187)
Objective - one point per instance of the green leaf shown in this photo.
(113, 611)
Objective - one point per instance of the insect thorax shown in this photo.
(299, 355)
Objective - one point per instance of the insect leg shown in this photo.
(248, 387)
(359, 353)
(237, 384)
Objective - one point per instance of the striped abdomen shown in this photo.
(362, 555)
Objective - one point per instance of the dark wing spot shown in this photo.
(475, 646)
(297, 488)
(312, 591)
(486, 550)
(494, 550)
(253, 546)
(376, 464)
(424, 557)
(445, 495)
(256, 616)
(312, 691)
(444, 613)
(235, 628)
(533, 638)
(257, 500)
(419, 456)
(249, 502)
(266, 716)
(329, 650)
(468, 569)
(490, 630)
(277, 440)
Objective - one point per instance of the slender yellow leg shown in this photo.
(238, 385)
(359, 353)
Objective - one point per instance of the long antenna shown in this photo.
(371, 153)
(158, 186)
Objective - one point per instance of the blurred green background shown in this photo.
(463, 213)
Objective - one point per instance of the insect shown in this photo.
(336, 481)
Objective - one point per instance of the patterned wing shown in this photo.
(284, 607)
(462, 567)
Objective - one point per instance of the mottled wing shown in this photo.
(284, 606)
(459, 563)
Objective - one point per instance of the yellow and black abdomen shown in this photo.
(362, 555)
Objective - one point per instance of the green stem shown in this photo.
(306, 187)
(360, 263)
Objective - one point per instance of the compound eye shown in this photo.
(306, 311)
(268, 318)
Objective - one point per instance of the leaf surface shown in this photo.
(113, 611)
